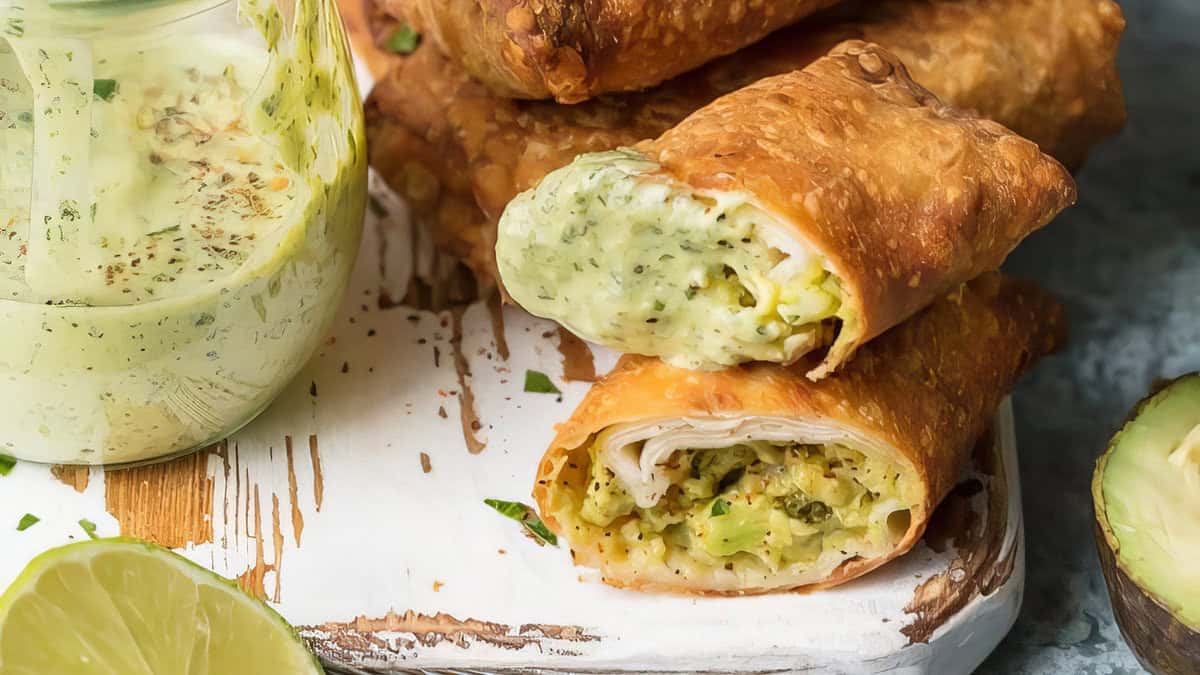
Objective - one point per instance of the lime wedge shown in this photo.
(120, 606)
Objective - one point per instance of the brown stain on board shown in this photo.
(170, 503)
(426, 465)
(978, 568)
(74, 477)
(277, 540)
(225, 468)
(293, 491)
(466, 398)
(252, 579)
(355, 640)
(495, 309)
(314, 454)
(578, 364)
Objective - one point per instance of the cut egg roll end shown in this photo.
(831, 479)
(808, 212)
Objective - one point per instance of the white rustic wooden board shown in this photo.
(355, 505)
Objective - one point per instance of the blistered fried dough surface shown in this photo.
(904, 196)
(926, 389)
(571, 50)
(1044, 68)
(415, 147)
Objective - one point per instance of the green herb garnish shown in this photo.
(659, 306)
(89, 527)
(7, 462)
(527, 517)
(404, 40)
(27, 521)
(165, 230)
(720, 507)
(104, 89)
(538, 383)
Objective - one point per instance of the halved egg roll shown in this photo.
(808, 210)
(572, 51)
(1019, 63)
(756, 479)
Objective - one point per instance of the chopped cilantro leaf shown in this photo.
(404, 40)
(88, 526)
(104, 89)
(526, 516)
(27, 521)
(539, 383)
(7, 462)
(720, 507)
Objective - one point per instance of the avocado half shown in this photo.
(1146, 492)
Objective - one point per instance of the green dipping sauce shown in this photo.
(180, 208)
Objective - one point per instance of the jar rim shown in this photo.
(88, 18)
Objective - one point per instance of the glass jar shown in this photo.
(182, 185)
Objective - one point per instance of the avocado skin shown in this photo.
(1161, 643)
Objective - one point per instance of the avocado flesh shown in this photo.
(627, 258)
(760, 504)
(1150, 496)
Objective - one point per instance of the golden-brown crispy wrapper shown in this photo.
(572, 51)
(903, 196)
(1019, 62)
(926, 389)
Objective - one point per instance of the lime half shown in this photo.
(125, 607)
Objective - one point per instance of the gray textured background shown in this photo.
(1126, 261)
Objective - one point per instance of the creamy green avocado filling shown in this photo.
(631, 260)
(769, 512)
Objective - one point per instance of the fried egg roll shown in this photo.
(808, 210)
(572, 51)
(1043, 68)
(756, 479)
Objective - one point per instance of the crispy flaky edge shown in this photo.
(572, 51)
(903, 196)
(928, 388)
(1043, 68)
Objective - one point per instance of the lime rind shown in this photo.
(215, 624)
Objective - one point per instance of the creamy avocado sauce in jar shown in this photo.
(182, 185)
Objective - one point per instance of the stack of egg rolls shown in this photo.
(802, 232)
(459, 153)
